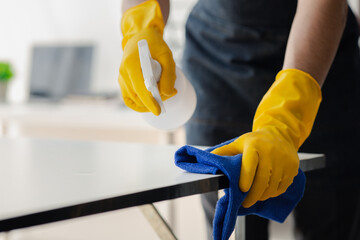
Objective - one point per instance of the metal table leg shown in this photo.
(240, 228)
(157, 222)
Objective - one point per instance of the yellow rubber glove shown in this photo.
(144, 21)
(283, 120)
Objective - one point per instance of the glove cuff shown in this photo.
(146, 15)
(291, 105)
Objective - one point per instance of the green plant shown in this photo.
(5, 72)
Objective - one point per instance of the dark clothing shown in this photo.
(233, 52)
(330, 208)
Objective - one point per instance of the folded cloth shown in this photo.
(229, 206)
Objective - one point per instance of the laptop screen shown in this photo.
(58, 71)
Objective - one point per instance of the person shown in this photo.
(259, 69)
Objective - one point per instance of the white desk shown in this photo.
(49, 180)
(104, 121)
(44, 181)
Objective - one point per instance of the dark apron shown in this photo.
(234, 49)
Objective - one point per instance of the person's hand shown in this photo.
(282, 122)
(269, 164)
(144, 21)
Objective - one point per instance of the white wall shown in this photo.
(24, 23)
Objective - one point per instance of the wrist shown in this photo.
(146, 15)
(290, 105)
(300, 73)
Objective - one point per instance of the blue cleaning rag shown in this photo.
(229, 206)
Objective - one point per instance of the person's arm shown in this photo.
(285, 115)
(145, 20)
(164, 5)
(315, 35)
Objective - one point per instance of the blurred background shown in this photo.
(61, 33)
(64, 57)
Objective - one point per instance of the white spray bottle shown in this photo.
(175, 111)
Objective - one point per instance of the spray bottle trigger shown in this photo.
(151, 70)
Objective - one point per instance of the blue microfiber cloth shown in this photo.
(228, 207)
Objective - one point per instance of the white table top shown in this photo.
(92, 120)
(107, 114)
(43, 180)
